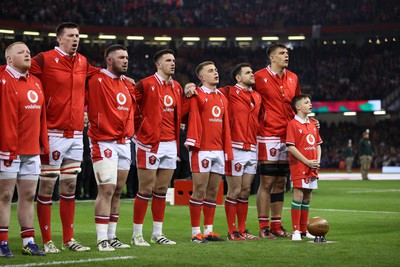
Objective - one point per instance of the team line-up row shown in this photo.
(261, 120)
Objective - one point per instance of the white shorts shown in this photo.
(272, 149)
(244, 161)
(25, 167)
(111, 150)
(207, 161)
(306, 183)
(165, 158)
(63, 148)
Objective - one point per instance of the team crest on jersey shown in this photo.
(272, 152)
(100, 80)
(7, 163)
(152, 160)
(205, 163)
(153, 88)
(3, 81)
(107, 153)
(300, 130)
(57, 59)
(265, 80)
(238, 167)
(56, 155)
(237, 92)
(290, 80)
(306, 180)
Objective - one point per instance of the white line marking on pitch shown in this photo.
(73, 261)
(357, 211)
(373, 191)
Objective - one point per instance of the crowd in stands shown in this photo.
(329, 73)
(256, 14)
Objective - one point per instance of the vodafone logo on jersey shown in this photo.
(32, 96)
(121, 99)
(310, 139)
(168, 101)
(216, 111)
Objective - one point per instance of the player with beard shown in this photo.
(111, 107)
(244, 110)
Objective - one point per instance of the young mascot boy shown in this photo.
(303, 141)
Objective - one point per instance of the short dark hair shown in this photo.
(69, 25)
(160, 53)
(113, 48)
(201, 66)
(238, 69)
(273, 47)
(297, 98)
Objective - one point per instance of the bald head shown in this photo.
(18, 57)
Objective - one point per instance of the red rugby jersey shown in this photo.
(277, 93)
(22, 115)
(111, 106)
(63, 78)
(304, 135)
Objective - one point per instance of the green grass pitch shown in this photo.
(364, 218)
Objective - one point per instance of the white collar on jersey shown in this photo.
(208, 90)
(58, 49)
(161, 79)
(111, 75)
(243, 88)
(273, 72)
(297, 118)
(16, 74)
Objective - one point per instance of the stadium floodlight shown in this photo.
(380, 112)
(270, 38)
(191, 39)
(6, 31)
(31, 33)
(83, 36)
(296, 37)
(350, 113)
(243, 39)
(51, 34)
(107, 37)
(162, 38)
(217, 39)
(135, 38)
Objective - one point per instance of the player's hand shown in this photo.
(132, 81)
(190, 90)
(316, 123)
(313, 164)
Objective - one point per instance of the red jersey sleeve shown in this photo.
(37, 65)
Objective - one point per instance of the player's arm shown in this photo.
(37, 64)
(190, 90)
(312, 163)
(319, 153)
